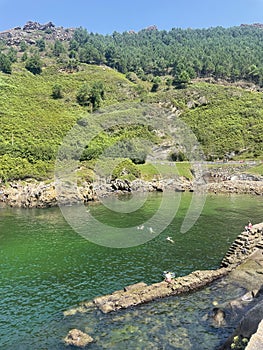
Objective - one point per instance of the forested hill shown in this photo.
(229, 53)
(50, 77)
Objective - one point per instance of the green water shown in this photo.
(46, 268)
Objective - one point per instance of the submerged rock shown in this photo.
(78, 338)
(219, 316)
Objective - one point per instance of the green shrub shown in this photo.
(34, 64)
(126, 170)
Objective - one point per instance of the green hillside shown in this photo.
(32, 123)
(229, 123)
(52, 77)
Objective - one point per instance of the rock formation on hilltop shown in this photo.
(33, 31)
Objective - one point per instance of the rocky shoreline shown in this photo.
(39, 194)
(34, 194)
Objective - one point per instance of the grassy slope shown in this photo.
(231, 121)
(28, 110)
(32, 121)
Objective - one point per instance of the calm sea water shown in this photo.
(46, 268)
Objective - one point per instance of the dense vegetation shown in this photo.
(46, 86)
(234, 53)
(229, 53)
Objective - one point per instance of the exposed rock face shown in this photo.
(201, 101)
(248, 326)
(33, 194)
(256, 341)
(249, 306)
(77, 338)
(33, 31)
(237, 187)
(37, 26)
(41, 195)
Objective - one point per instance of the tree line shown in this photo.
(222, 53)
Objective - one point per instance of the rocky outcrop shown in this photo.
(139, 294)
(233, 178)
(256, 341)
(29, 26)
(236, 187)
(249, 307)
(78, 338)
(33, 194)
(33, 31)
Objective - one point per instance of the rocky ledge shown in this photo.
(140, 293)
(237, 186)
(33, 194)
(244, 269)
(39, 194)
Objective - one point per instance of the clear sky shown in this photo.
(106, 16)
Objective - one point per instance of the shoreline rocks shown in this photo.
(34, 194)
(39, 194)
(236, 187)
(249, 275)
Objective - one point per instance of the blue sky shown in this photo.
(106, 16)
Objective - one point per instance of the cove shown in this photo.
(46, 267)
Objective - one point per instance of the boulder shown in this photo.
(78, 338)
(256, 341)
(247, 326)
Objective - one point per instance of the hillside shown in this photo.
(47, 90)
(223, 53)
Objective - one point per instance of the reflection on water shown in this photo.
(46, 268)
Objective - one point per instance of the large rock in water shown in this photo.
(78, 338)
(140, 293)
(256, 341)
(247, 327)
(248, 275)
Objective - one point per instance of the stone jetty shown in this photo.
(139, 293)
(244, 245)
(246, 249)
